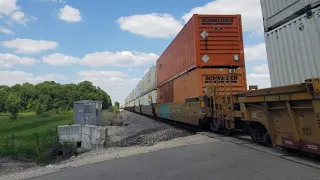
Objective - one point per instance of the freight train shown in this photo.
(200, 79)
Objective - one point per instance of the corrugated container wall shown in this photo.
(139, 89)
(192, 84)
(293, 50)
(205, 41)
(277, 12)
(149, 98)
(149, 80)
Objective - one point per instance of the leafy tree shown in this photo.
(117, 104)
(39, 107)
(13, 105)
(4, 90)
(52, 96)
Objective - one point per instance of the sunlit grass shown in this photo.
(27, 129)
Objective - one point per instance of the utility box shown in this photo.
(87, 112)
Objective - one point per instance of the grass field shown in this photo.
(31, 133)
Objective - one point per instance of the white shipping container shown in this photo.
(134, 94)
(277, 11)
(138, 89)
(149, 98)
(149, 80)
(137, 101)
(293, 50)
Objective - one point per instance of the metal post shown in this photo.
(38, 143)
(213, 99)
(231, 97)
(13, 146)
(225, 94)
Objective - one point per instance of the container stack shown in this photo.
(146, 89)
(292, 39)
(207, 48)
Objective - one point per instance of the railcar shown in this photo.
(287, 116)
(200, 79)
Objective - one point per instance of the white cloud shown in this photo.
(102, 74)
(119, 59)
(249, 9)
(9, 60)
(262, 69)
(10, 78)
(11, 9)
(69, 14)
(5, 30)
(256, 52)
(133, 70)
(58, 59)
(8, 6)
(151, 25)
(9, 22)
(29, 46)
(21, 18)
(260, 76)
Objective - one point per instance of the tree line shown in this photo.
(48, 96)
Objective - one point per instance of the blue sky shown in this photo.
(109, 42)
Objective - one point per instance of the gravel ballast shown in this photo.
(143, 131)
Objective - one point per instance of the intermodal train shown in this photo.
(200, 79)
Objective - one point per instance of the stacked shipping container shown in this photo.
(292, 39)
(278, 12)
(213, 42)
(145, 92)
(207, 49)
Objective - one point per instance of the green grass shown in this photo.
(108, 117)
(27, 129)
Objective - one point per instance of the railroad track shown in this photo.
(245, 140)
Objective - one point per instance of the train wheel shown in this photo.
(260, 135)
(266, 139)
(214, 127)
(226, 132)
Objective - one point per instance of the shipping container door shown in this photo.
(222, 42)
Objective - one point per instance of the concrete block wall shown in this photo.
(69, 133)
(90, 136)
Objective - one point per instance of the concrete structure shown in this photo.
(88, 112)
(93, 137)
(70, 133)
(90, 137)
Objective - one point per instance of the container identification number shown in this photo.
(177, 111)
(220, 79)
(217, 21)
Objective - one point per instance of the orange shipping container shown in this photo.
(192, 84)
(165, 93)
(205, 41)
